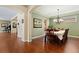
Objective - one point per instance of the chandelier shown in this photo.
(58, 19)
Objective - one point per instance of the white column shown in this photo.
(20, 26)
(28, 23)
(27, 27)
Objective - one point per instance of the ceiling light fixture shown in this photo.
(58, 19)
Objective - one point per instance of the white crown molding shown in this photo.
(14, 16)
(3, 19)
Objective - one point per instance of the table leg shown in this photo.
(45, 38)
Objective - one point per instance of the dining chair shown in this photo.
(54, 38)
(65, 36)
(64, 39)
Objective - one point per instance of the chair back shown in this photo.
(65, 36)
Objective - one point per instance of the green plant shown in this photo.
(50, 26)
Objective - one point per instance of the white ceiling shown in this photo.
(51, 10)
(6, 13)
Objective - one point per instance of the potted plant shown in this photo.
(51, 26)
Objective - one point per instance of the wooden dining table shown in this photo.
(59, 33)
(52, 32)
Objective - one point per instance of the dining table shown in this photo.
(58, 33)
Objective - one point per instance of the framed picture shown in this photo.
(14, 25)
(37, 23)
(4, 24)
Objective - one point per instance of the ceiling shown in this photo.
(45, 10)
(51, 10)
(6, 13)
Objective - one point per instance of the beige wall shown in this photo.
(13, 30)
(3, 21)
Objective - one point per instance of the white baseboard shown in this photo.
(43, 35)
(73, 36)
(24, 40)
(27, 40)
(31, 39)
(37, 36)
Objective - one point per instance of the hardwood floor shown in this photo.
(9, 43)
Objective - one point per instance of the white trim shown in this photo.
(3, 19)
(43, 35)
(37, 36)
(27, 40)
(24, 40)
(14, 17)
(73, 36)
